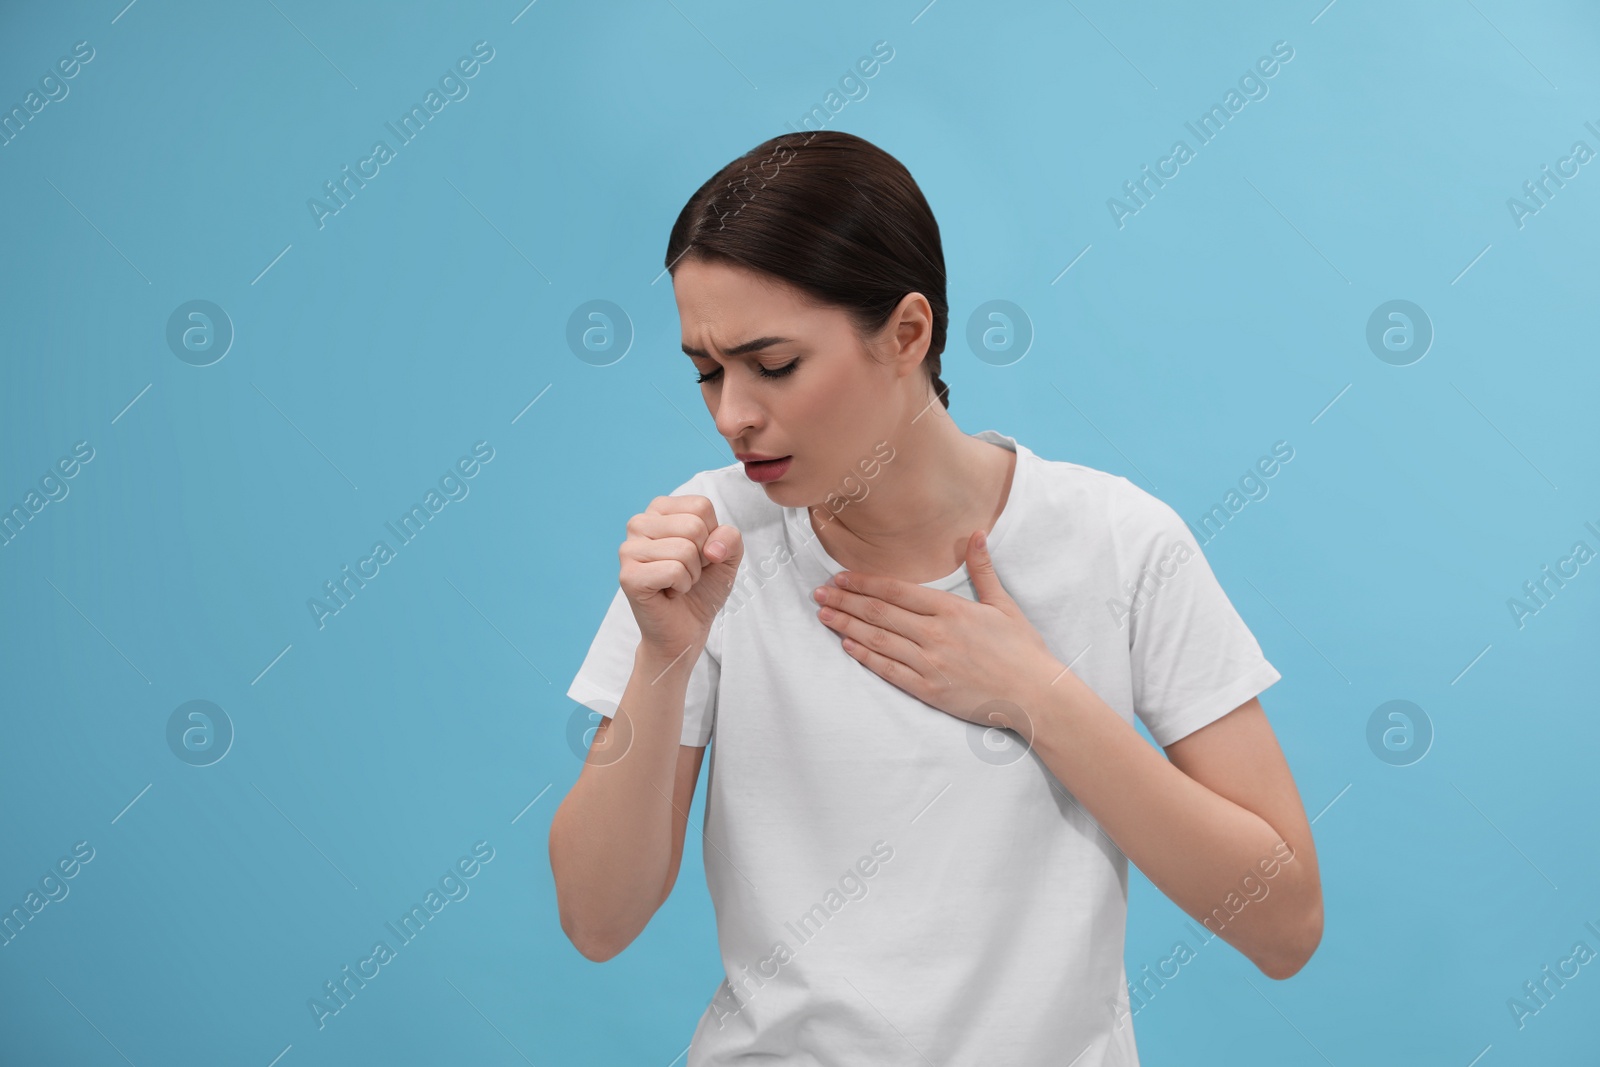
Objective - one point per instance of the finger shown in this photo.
(877, 612)
(663, 575)
(890, 670)
(686, 524)
(884, 642)
(679, 550)
(906, 648)
(683, 549)
(732, 542)
(908, 595)
(687, 504)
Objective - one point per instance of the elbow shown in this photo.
(1296, 949)
(598, 942)
(599, 924)
(596, 939)
(591, 946)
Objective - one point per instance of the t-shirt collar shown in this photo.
(804, 542)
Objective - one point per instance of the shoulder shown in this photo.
(1125, 512)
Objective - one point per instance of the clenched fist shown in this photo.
(678, 567)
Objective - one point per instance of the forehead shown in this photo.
(732, 312)
(728, 288)
(723, 305)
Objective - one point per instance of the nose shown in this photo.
(737, 411)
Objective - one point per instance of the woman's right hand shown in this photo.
(674, 578)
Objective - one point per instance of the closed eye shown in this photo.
(776, 372)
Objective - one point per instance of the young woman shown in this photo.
(920, 654)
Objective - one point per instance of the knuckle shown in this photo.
(703, 508)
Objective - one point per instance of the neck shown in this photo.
(941, 485)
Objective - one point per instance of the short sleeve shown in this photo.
(606, 668)
(608, 665)
(1192, 657)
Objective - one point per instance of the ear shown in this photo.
(913, 329)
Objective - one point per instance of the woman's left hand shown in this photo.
(981, 660)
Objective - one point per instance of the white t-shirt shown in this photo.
(895, 885)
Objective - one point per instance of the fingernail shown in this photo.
(718, 545)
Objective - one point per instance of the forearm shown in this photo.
(611, 839)
(1208, 854)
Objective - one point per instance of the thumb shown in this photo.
(980, 568)
(725, 546)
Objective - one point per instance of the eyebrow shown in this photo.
(741, 349)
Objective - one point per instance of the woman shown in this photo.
(921, 654)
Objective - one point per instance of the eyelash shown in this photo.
(779, 372)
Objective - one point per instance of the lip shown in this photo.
(767, 470)
(755, 457)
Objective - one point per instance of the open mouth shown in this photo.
(767, 470)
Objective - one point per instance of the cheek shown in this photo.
(839, 394)
(833, 413)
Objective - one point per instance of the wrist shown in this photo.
(663, 659)
(1042, 691)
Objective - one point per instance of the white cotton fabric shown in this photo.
(892, 884)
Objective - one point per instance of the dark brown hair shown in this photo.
(831, 214)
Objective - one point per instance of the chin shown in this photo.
(784, 495)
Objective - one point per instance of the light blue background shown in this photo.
(371, 353)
